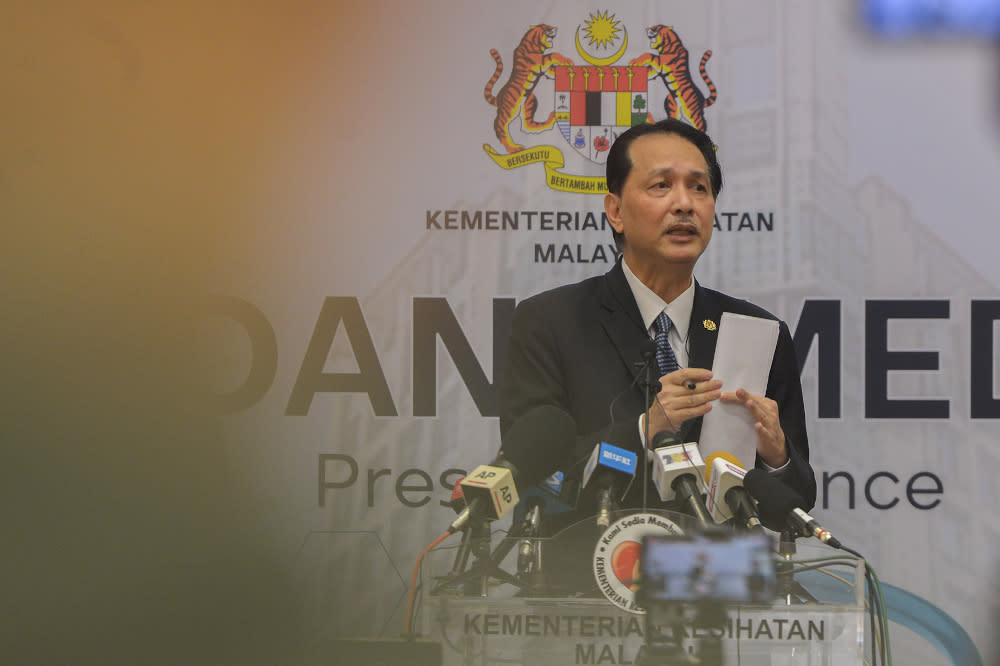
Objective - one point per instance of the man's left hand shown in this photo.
(770, 437)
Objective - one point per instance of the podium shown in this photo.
(818, 619)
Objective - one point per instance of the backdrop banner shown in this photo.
(384, 182)
(462, 171)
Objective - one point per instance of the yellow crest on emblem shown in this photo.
(709, 325)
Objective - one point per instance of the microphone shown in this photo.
(543, 499)
(608, 469)
(552, 496)
(676, 468)
(489, 494)
(725, 488)
(780, 506)
(532, 523)
(537, 443)
(533, 447)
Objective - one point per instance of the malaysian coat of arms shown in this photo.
(590, 104)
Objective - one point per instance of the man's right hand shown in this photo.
(677, 402)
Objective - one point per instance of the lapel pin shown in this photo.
(709, 325)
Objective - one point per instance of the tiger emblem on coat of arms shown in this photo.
(531, 63)
(684, 100)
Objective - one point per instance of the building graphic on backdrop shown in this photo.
(594, 102)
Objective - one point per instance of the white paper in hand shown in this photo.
(743, 356)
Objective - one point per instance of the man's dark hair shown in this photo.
(619, 164)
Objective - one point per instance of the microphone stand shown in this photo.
(462, 554)
(482, 528)
(647, 386)
(787, 587)
(484, 568)
(529, 557)
(783, 567)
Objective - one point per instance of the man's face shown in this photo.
(666, 209)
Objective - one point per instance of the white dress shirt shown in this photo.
(651, 305)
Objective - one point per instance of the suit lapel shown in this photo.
(622, 322)
(703, 333)
(703, 329)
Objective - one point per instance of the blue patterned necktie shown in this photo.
(664, 353)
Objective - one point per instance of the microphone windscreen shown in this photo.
(724, 455)
(775, 500)
(673, 462)
(664, 438)
(538, 442)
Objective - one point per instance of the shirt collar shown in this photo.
(651, 305)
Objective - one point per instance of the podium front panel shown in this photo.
(481, 632)
(566, 615)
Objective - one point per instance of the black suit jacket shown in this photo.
(581, 348)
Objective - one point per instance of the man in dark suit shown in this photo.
(582, 347)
